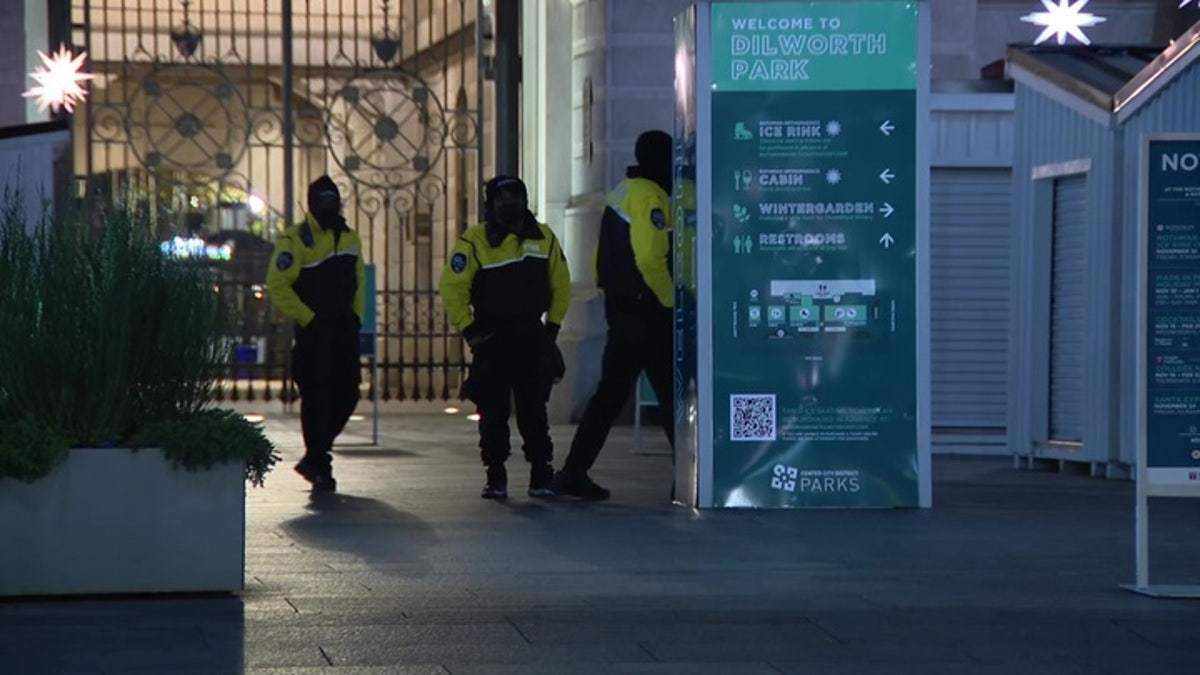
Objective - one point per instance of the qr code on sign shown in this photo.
(752, 417)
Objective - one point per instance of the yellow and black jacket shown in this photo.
(507, 285)
(633, 257)
(317, 271)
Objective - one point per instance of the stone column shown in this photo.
(570, 182)
(622, 84)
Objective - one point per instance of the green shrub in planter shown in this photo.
(202, 439)
(28, 450)
(105, 341)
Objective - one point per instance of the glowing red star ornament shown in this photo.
(59, 81)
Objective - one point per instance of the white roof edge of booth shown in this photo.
(1096, 104)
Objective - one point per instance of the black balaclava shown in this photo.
(325, 204)
(506, 210)
(654, 154)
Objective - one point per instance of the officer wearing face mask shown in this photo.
(501, 278)
(633, 269)
(316, 278)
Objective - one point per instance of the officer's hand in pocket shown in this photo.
(475, 336)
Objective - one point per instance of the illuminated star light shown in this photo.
(1065, 18)
(59, 82)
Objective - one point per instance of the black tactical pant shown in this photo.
(639, 338)
(324, 411)
(325, 366)
(506, 371)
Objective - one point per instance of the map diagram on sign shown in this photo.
(790, 309)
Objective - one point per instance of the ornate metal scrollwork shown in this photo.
(190, 118)
(386, 128)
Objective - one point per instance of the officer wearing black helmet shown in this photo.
(502, 277)
(633, 270)
(316, 278)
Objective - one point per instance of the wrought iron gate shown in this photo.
(209, 110)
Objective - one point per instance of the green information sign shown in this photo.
(1168, 338)
(814, 46)
(1172, 313)
(815, 176)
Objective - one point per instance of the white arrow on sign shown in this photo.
(887, 176)
(887, 240)
(887, 128)
(888, 210)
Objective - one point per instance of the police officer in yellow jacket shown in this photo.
(316, 278)
(633, 269)
(502, 276)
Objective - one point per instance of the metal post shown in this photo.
(508, 86)
(1141, 535)
(480, 70)
(55, 24)
(289, 123)
(289, 155)
(60, 30)
(374, 395)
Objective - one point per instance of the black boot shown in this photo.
(541, 479)
(569, 485)
(497, 483)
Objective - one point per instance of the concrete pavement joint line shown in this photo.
(518, 629)
(1144, 638)
(293, 606)
(325, 656)
(649, 653)
(817, 624)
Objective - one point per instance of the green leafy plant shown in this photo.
(103, 336)
(28, 450)
(207, 437)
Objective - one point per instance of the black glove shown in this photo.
(470, 389)
(552, 360)
(556, 367)
(475, 336)
(481, 379)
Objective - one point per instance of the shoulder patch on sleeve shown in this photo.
(458, 262)
(658, 218)
(284, 261)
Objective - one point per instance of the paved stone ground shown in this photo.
(407, 571)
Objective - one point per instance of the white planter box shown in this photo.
(120, 521)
